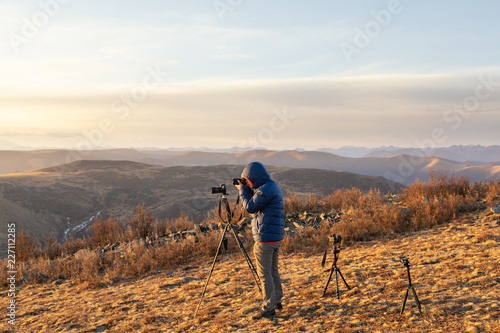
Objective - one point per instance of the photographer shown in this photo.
(262, 197)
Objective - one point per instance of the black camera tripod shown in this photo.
(228, 226)
(336, 250)
(407, 264)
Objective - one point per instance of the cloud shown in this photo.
(315, 98)
(393, 109)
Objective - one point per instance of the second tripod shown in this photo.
(336, 240)
(223, 202)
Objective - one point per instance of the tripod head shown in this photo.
(405, 262)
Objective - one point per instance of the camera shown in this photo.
(236, 181)
(405, 261)
(220, 189)
(335, 239)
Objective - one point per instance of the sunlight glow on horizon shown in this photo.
(166, 74)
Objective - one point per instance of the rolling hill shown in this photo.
(65, 200)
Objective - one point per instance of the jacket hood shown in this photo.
(256, 173)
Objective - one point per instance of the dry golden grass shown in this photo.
(455, 273)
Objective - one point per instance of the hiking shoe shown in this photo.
(266, 314)
(278, 306)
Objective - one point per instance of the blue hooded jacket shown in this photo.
(265, 203)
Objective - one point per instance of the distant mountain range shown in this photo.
(400, 166)
(65, 200)
(458, 153)
(469, 154)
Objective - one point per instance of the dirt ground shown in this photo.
(454, 269)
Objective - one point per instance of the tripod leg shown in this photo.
(211, 269)
(343, 279)
(328, 282)
(337, 282)
(416, 300)
(247, 258)
(404, 302)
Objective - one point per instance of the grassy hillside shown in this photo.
(454, 270)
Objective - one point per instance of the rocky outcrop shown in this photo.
(294, 222)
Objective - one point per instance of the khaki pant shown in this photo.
(266, 256)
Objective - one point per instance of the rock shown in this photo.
(41, 278)
(405, 212)
(190, 279)
(496, 209)
(101, 329)
(298, 225)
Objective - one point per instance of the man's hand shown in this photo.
(239, 185)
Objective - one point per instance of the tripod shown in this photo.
(407, 264)
(228, 226)
(336, 250)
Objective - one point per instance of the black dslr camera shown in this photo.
(335, 239)
(236, 181)
(220, 189)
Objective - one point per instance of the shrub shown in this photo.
(73, 245)
(51, 248)
(142, 224)
(181, 223)
(108, 232)
(25, 246)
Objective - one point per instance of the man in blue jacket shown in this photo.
(262, 197)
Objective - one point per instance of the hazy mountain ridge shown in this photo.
(55, 199)
(402, 168)
(468, 154)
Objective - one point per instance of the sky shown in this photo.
(273, 74)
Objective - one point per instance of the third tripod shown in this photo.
(407, 264)
(336, 240)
